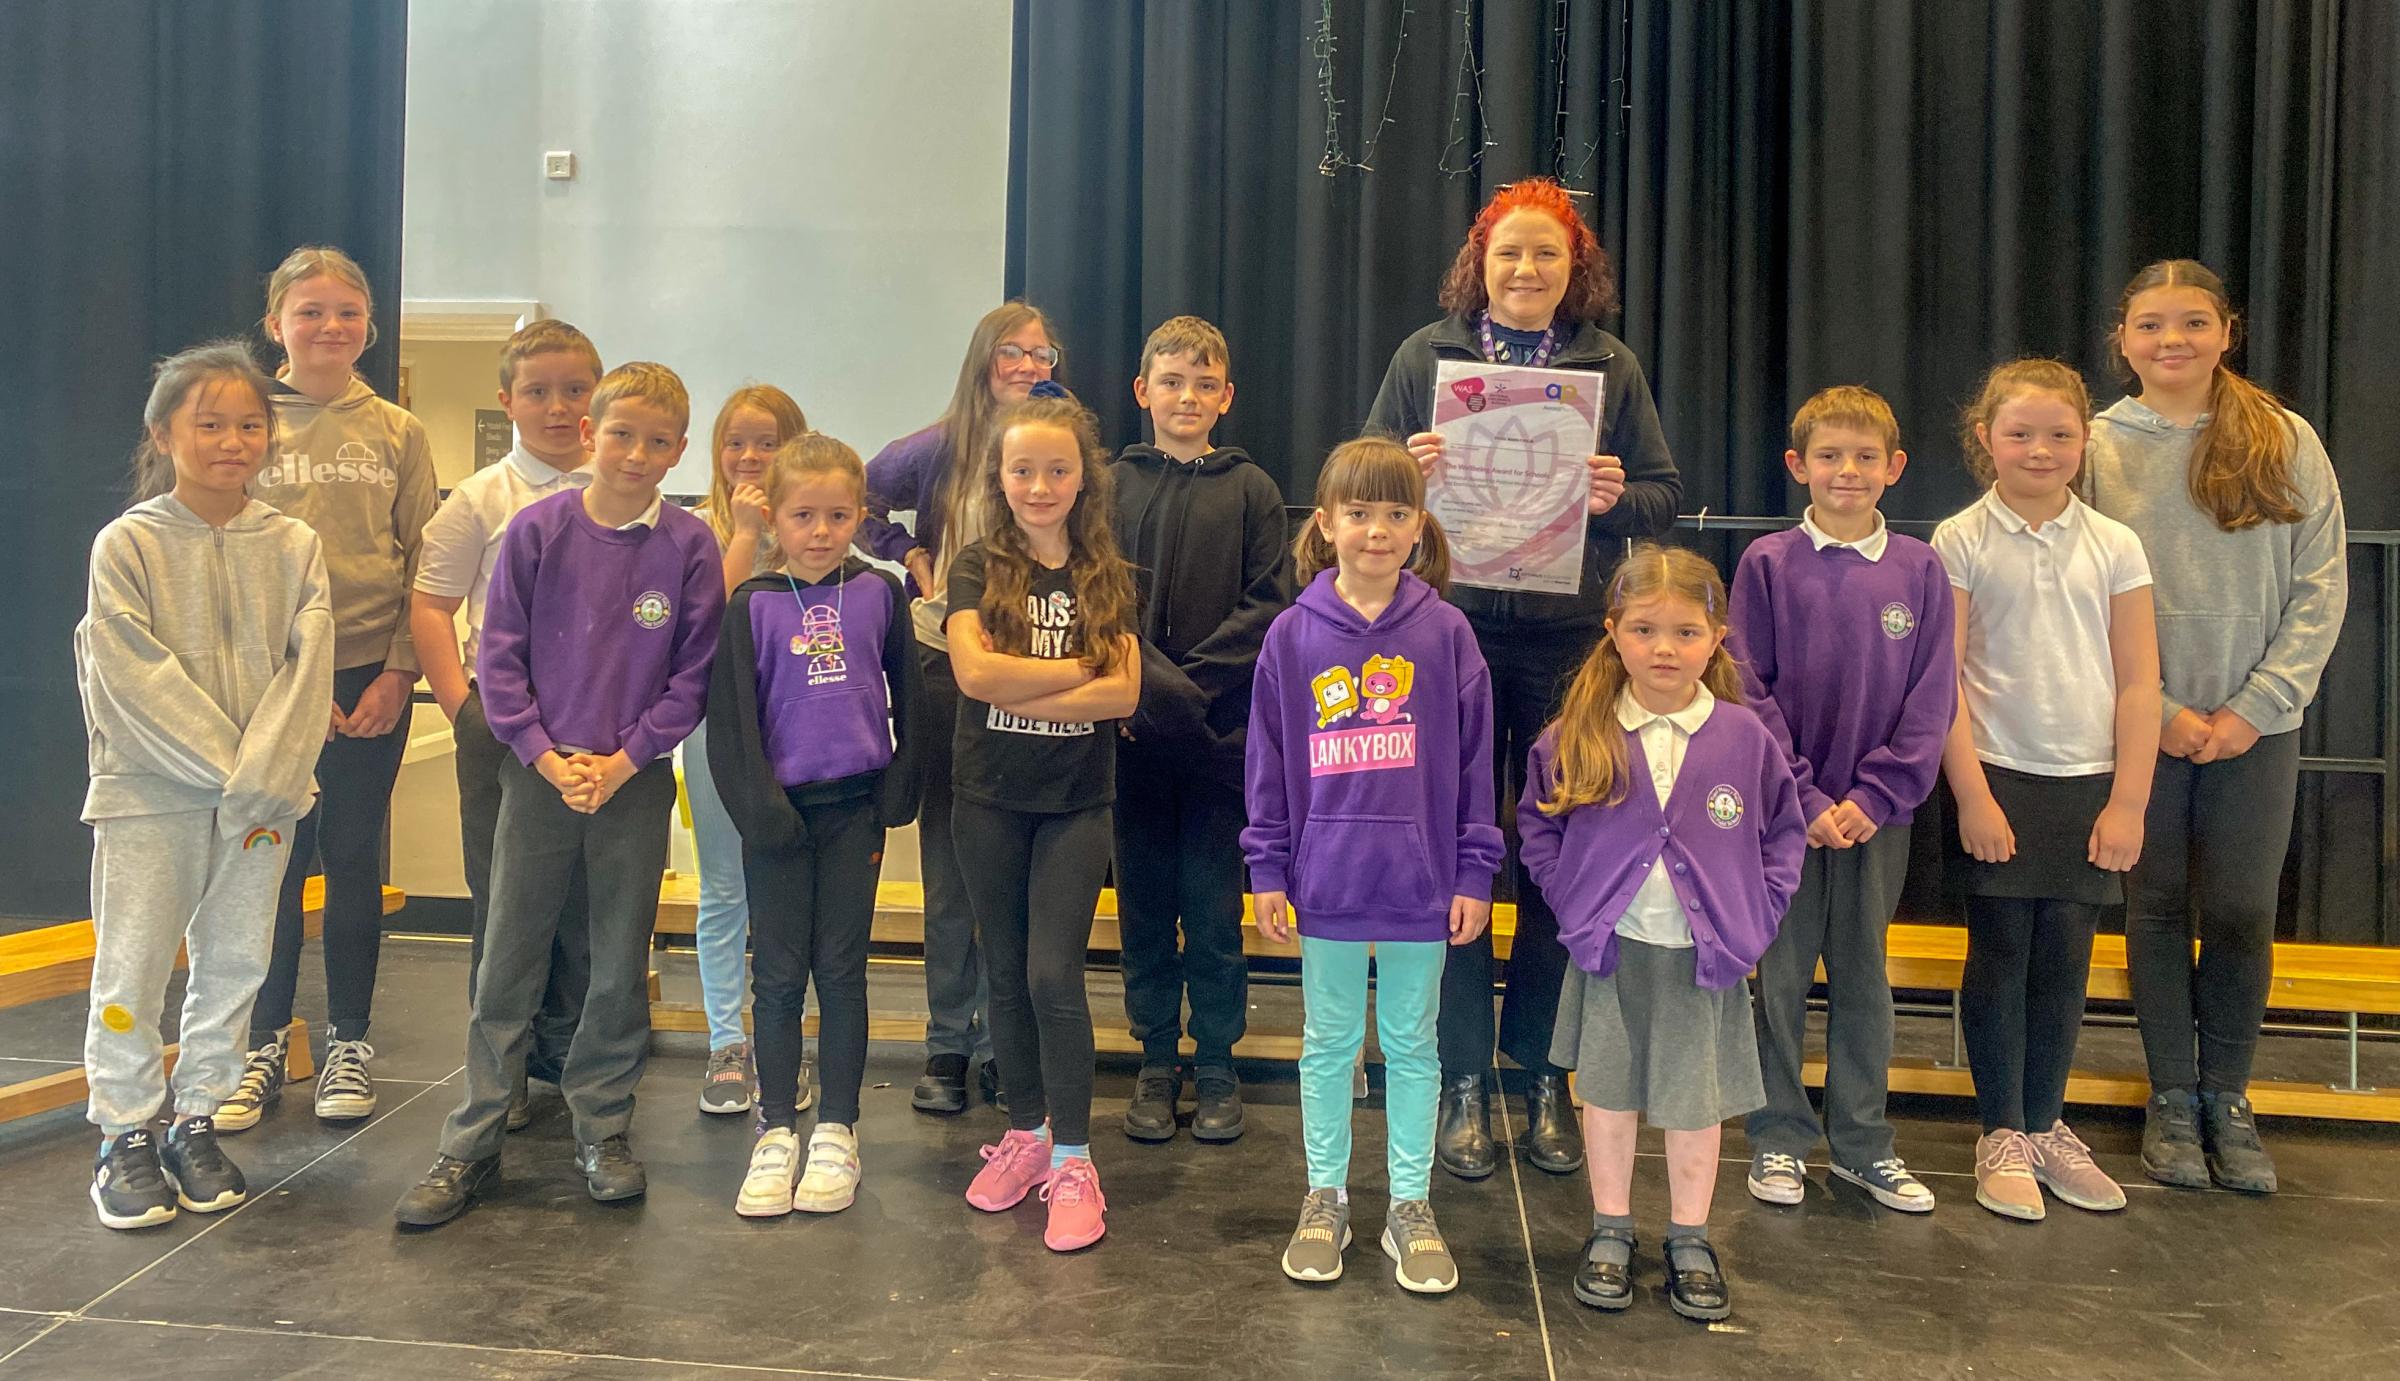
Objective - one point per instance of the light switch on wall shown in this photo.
(558, 165)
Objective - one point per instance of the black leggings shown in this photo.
(2021, 1001)
(354, 784)
(1037, 878)
(2213, 849)
(812, 912)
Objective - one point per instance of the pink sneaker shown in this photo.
(1015, 1166)
(1077, 1207)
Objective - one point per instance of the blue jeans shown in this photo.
(1408, 987)
(723, 930)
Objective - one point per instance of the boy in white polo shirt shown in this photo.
(548, 370)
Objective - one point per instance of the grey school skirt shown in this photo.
(1649, 1039)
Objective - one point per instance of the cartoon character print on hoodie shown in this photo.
(1370, 778)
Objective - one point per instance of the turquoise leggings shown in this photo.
(1408, 997)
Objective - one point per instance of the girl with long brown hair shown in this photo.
(2237, 505)
(1041, 640)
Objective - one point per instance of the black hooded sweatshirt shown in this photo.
(1211, 551)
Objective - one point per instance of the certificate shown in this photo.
(1513, 487)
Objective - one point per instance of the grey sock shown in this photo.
(1610, 1251)
(1681, 1254)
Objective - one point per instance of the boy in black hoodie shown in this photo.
(1205, 531)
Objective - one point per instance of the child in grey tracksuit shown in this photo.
(205, 663)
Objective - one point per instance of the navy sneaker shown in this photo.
(205, 1180)
(128, 1187)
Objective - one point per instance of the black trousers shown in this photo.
(1179, 855)
(2212, 864)
(957, 996)
(2021, 1001)
(812, 914)
(480, 758)
(1037, 878)
(345, 830)
(1529, 675)
(541, 844)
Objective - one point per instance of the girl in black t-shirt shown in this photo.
(1041, 639)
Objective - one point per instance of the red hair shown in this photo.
(1591, 292)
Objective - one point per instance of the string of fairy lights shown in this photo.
(1468, 138)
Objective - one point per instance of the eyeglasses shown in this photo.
(1047, 356)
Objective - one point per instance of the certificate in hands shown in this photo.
(1513, 487)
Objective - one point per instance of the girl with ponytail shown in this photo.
(2237, 505)
(1661, 819)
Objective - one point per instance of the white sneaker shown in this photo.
(345, 1092)
(767, 1189)
(832, 1179)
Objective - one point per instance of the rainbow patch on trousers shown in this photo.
(261, 838)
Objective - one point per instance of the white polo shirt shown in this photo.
(1870, 546)
(1655, 915)
(2039, 684)
(463, 540)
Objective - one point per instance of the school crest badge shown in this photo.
(652, 610)
(1898, 622)
(1724, 806)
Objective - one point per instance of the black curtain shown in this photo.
(156, 161)
(1794, 195)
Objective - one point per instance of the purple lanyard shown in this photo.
(1492, 353)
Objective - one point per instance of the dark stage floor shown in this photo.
(311, 1279)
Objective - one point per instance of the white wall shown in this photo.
(808, 193)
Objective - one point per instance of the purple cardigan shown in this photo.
(909, 474)
(1731, 834)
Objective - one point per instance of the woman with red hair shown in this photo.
(1528, 288)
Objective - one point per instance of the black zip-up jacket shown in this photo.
(1211, 551)
(1630, 432)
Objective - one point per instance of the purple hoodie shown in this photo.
(908, 474)
(1731, 834)
(1370, 766)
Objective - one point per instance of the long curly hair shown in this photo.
(1104, 593)
(2241, 468)
(1591, 286)
(1593, 766)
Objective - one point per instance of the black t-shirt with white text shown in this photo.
(1006, 760)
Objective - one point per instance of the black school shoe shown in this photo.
(2171, 1149)
(1151, 1115)
(943, 1086)
(129, 1188)
(1462, 1137)
(1552, 1141)
(444, 1191)
(1605, 1284)
(609, 1169)
(1218, 1117)
(2237, 1159)
(994, 1092)
(205, 1180)
(1701, 1294)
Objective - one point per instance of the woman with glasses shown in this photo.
(930, 474)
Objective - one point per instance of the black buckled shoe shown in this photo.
(443, 1194)
(1218, 1117)
(1606, 1284)
(1698, 1294)
(1462, 1137)
(1552, 1141)
(943, 1086)
(1151, 1114)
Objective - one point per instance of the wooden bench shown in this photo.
(56, 961)
(2348, 980)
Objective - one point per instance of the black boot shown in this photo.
(1462, 1138)
(1552, 1141)
(1151, 1114)
(943, 1087)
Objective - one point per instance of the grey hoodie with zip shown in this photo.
(360, 471)
(205, 661)
(2246, 620)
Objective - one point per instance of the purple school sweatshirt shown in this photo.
(599, 638)
(1369, 771)
(908, 474)
(1851, 666)
(1731, 834)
